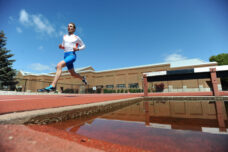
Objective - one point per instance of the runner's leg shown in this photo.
(60, 65)
(74, 74)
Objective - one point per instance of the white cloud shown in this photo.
(40, 47)
(11, 20)
(174, 57)
(24, 17)
(19, 30)
(80, 31)
(61, 33)
(36, 21)
(42, 24)
(39, 67)
(63, 30)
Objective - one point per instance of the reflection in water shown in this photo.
(221, 115)
(182, 125)
(201, 116)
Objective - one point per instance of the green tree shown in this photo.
(221, 59)
(7, 73)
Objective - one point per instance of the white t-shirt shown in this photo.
(70, 41)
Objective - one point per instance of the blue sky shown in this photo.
(117, 33)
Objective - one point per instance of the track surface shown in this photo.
(16, 103)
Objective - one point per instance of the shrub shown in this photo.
(159, 87)
(135, 90)
(108, 91)
(105, 90)
(68, 91)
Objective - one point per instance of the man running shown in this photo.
(71, 44)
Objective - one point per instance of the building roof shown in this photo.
(188, 62)
(180, 63)
(34, 74)
(173, 64)
(90, 68)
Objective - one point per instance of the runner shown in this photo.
(70, 45)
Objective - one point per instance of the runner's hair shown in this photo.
(73, 25)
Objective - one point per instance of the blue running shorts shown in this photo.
(69, 58)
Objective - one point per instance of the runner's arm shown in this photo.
(81, 44)
(61, 46)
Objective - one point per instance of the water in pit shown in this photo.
(158, 126)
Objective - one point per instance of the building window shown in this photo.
(121, 86)
(99, 86)
(133, 85)
(110, 86)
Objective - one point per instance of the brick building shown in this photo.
(117, 79)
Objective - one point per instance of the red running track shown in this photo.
(16, 103)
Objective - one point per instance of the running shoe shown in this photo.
(84, 80)
(47, 89)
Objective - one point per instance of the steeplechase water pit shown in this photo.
(149, 124)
